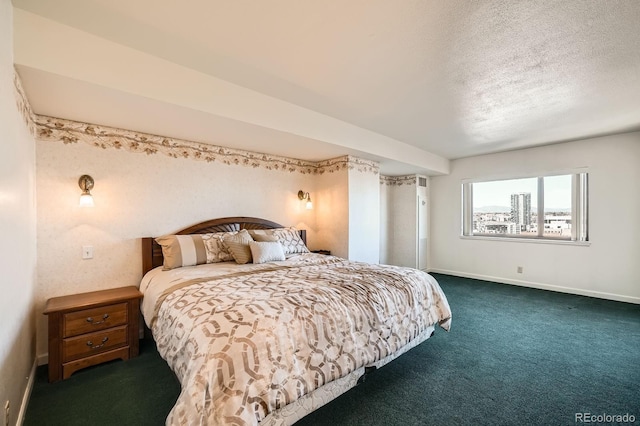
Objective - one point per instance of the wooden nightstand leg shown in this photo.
(134, 332)
(55, 358)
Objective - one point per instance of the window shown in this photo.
(552, 207)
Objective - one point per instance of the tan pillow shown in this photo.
(265, 238)
(194, 249)
(261, 234)
(238, 246)
(267, 251)
(182, 250)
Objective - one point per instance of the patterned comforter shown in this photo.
(247, 341)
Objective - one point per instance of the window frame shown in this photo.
(579, 209)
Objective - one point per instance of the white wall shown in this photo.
(403, 246)
(331, 204)
(364, 216)
(422, 223)
(403, 234)
(17, 227)
(386, 222)
(348, 210)
(139, 195)
(607, 268)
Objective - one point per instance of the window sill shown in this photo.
(527, 240)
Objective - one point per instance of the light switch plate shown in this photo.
(87, 252)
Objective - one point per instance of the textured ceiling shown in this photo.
(451, 78)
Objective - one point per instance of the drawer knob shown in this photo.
(91, 321)
(90, 343)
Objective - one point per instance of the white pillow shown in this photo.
(267, 251)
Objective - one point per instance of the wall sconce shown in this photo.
(305, 196)
(86, 184)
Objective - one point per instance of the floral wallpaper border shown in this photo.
(24, 107)
(398, 180)
(71, 132)
(348, 162)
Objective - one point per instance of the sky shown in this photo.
(557, 192)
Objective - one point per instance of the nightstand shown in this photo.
(91, 328)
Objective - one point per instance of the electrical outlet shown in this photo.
(520, 269)
(87, 252)
(7, 413)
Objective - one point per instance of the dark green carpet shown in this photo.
(514, 356)
(140, 391)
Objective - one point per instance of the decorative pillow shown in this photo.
(216, 250)
(194, 249)
(290, 240)
(288, 237)
(238, 246)
(266, 251)
(182, 250)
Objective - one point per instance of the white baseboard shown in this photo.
(541, 286)
(43, 359)
(27, 394)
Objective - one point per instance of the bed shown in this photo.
(267, 343)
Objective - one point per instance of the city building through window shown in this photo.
(543, 207)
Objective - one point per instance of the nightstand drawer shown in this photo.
(89, 320)
(93, 343)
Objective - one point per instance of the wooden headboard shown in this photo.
(152, 252)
